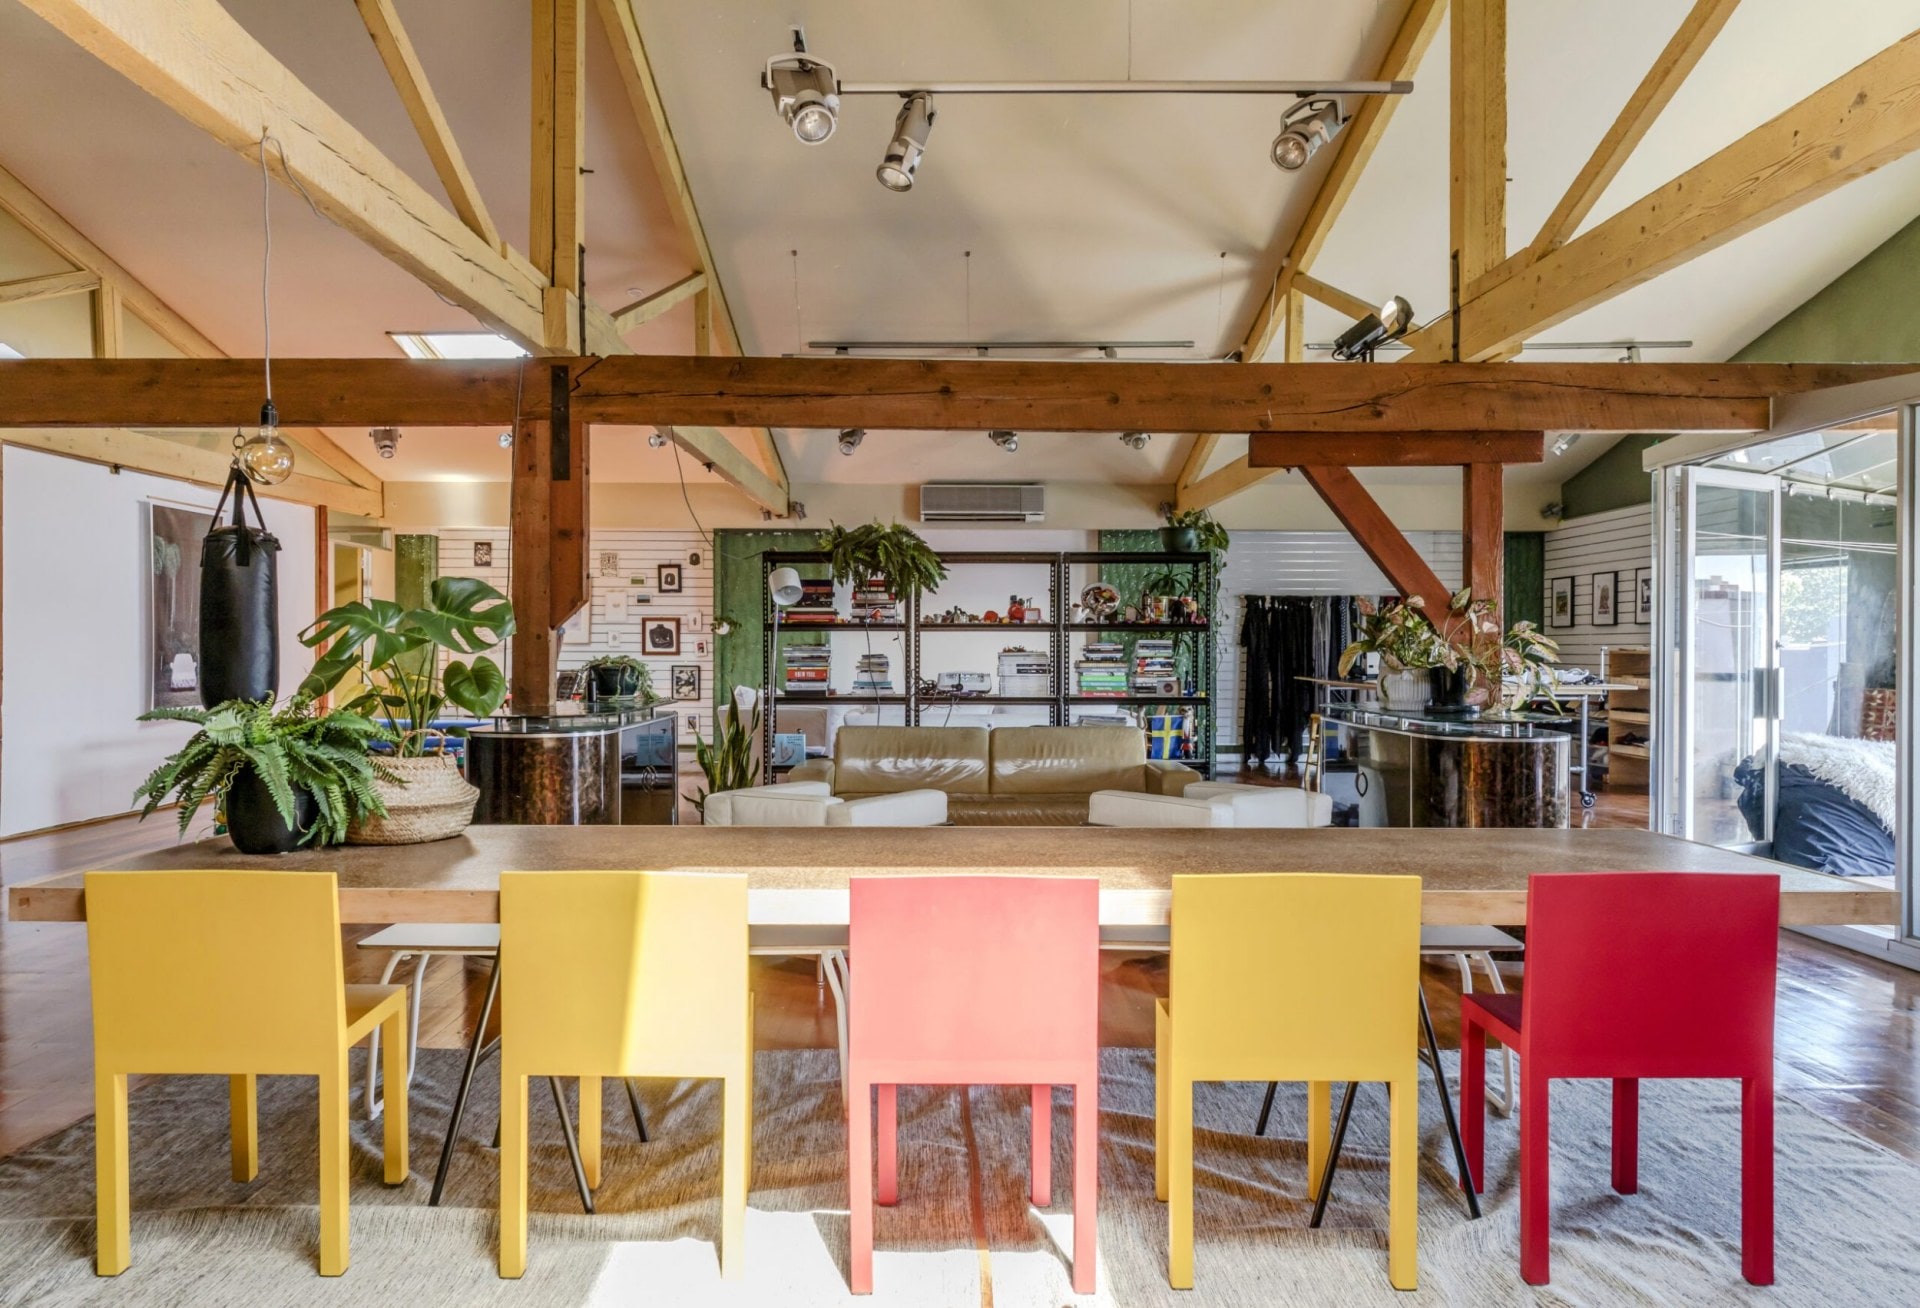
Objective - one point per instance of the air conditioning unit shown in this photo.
(982, 501)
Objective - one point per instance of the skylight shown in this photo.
(457, 345)
(8, 352)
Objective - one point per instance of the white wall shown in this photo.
(1619, 541)
(77, 639)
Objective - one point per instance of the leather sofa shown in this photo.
(1009, 776)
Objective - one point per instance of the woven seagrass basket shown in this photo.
(436, 802)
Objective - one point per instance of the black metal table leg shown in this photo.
(639, 1118)
(1333, 1155)
(573, 1143)
(1266, 1109)
(1446, 1108)
(475, 1051)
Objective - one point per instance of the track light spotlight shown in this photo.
(910, 131)
(1367, 335)
(806, 93)
(1565, 441)
(386, 440)
(1304, 128)
(657, 441)
(1135, 440)
(850, 439)
(506, 440)
(1006, 440)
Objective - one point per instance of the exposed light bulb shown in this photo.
(266, 457)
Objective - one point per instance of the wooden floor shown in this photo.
(1849, 1038)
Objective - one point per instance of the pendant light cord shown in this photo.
(266, 256)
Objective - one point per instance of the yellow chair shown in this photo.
(236, 973)
(623, 974)
(1290, 977)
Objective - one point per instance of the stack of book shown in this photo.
(873, 675)
(873, 602)
(1102, 669)
(1025, 672)
(1153, 671)
(815, 607)
(809, 669)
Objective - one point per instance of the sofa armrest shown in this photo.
(814, 769)
(1169, 777)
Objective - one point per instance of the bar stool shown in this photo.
(420, 941)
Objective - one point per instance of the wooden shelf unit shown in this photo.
(1628, 712)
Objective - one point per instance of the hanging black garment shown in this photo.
(1257, 709)
(239, 603)
(1286, 637)
(1294, 650)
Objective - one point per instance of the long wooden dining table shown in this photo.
(797, 877)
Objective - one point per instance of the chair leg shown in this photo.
(475, 1050)
(393, 1146)
(1535, 1195)
(1266, 1109)
(243, 1106)
(1321, 1182)
(112, 1199)
(591, 1103)
(573, 1145)
(736, 1150)
(1162, 1066)
(860, 1186)
(1086, 1183)
(633, 1102)
(513, 1173)
(1504, 1104)
(1626, 1134)
(888, 1131)
(1446, 1110)
(1403, 1206)
(1319, 1113)
(1473, 1099)
(1180, 1181)
(834, 963)
(1042, 1166)
(334, 1169)
(1756, 1178)
(414, 993)
(370, 1099)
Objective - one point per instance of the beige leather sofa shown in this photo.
(1009, 776)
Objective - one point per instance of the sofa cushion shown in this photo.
(1017, 810)
(1126, 808)
(888, 760)
(1067, 760)
(907, 808)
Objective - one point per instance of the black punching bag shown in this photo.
(239, 603)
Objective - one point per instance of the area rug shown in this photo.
(963, 1233)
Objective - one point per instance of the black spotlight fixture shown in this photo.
(850, 439)
(1359, 341)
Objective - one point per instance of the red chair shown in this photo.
(1633, 975)
(974, 980)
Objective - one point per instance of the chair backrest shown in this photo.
(969, 971)
(215, 971)
(623, 973)
(1672, 969)
(1295, 976)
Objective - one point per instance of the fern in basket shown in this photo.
(291, 748)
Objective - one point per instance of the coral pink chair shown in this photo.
(1633, 975)
(974, 980)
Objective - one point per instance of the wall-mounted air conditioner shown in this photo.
(982, 501)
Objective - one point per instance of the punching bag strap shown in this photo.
(243, 546)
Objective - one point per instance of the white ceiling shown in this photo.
(1117, 217)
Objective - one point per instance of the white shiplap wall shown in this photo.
(1620, 542)
(638, 555)
(1301, 563)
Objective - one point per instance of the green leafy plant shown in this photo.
(292, 748)
(1211, 535)
(896, 553)
(630, 668)
(398, 650)
(731, 760)
(1409, 639)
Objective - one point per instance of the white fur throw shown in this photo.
(1862, 769)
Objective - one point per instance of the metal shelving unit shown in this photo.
(1057, 630)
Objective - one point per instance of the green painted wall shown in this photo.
(1865, 315)
(737, 598)
(1524, 594)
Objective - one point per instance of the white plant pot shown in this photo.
(1406, 690)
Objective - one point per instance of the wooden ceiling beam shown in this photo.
(1344, 302)
(929, 395)
(1682, 52)
(557, 203)
(51, 286)
(647, 308)
(1477, 140)
(1222, 484)
(1394, 449)
(1369, 524)
(160, 456)
(403, 65)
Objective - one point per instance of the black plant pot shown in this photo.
(1180, 540)
(615, 683)
(1450, 690)
(256, 825)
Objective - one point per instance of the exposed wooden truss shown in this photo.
(557, 203)
(548, 526)
(1477, 139)
(49, 286)
(1394, 449)
(647, 308)
(1362, 515)
(1344, 302)
(117, 447)
(1483, 532)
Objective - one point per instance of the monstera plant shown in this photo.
(398, 651)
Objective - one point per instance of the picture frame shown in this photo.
(686, 681)
(483, 554)
(171, 566)
(1643, 596)
(1606, 600)
(659, 637)
(1560, 602)
(670, 579)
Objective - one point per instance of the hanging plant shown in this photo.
(857, 554)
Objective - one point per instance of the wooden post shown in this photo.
(548, 579)
(1478, 150)
(1483, 531)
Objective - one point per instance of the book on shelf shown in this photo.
(873, 674)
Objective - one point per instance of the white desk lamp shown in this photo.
(785, 590)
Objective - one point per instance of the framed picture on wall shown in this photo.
(483, 554)
(669, 578)
(173, 569)
(686, 681)
(659, 637)
(1606, 608)
(1560, 602)
(1643, 596)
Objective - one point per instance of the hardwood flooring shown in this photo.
(1848, 1034)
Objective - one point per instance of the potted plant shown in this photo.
(1191, 531)
(283, 777)
(1407, 645)
(731, 760)
(398, 651)
(858, 554)
(1454, 659)
(618, 676)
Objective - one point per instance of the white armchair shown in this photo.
(812, 804)
(1212, 804)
